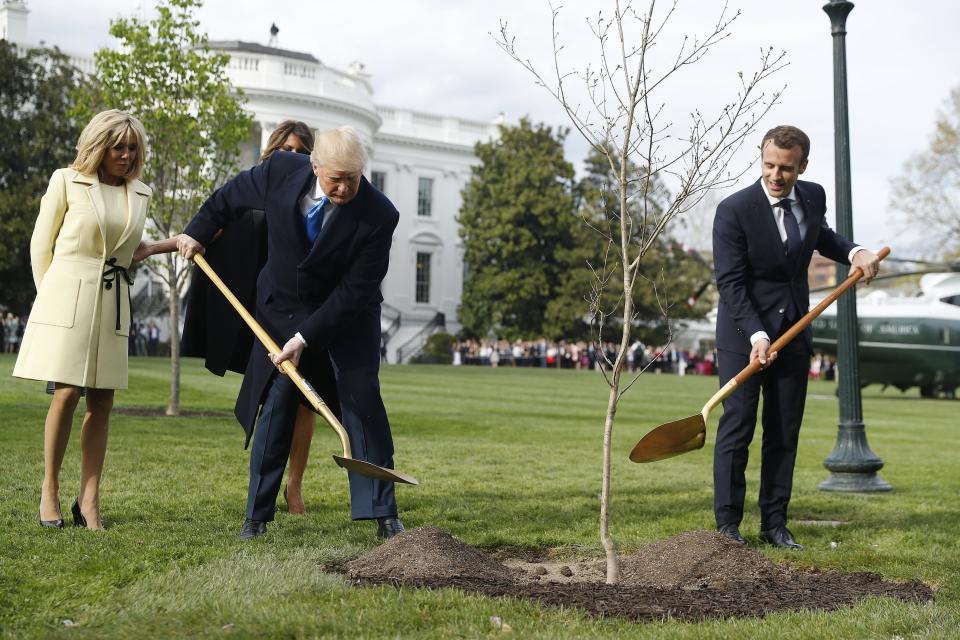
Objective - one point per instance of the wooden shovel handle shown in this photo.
(805, 321)
(271, 346)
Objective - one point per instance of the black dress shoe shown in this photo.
(780, 537)
(52, 524)
(389, 527)
(252, 529)
(78, 519)
(731, 531)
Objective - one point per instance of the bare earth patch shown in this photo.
(690, 576)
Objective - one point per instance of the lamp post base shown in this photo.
(855, 482)
(852, 465)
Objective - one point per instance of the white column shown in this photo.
(13, 21)
(266, 128)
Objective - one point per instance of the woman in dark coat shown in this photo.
(214, 331)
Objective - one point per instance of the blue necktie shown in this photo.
(314, 220)
(792, 227)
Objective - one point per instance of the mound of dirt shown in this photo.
(691, 576)
(426, 553)
(696, 559)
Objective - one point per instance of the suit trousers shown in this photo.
(363, 416)
(784, 389)
(355, 356)
(271, 447)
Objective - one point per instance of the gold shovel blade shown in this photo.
(373, 471)
(671, 439)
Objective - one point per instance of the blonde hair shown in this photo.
(340, 149)
(105, 130)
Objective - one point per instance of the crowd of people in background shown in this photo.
(581, 355)
(144, 336)
(12, 332)
(144, 339)
(823, 367)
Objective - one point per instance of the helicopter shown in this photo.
(907, 339)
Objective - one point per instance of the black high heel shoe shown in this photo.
(78, 519)
(51, 524)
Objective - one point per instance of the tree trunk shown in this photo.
(173, 407)
(609, 546)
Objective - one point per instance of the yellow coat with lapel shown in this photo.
(71, 336)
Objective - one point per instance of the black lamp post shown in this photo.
(852, 465)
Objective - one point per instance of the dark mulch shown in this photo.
(692, 576)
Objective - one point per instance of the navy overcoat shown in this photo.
(329, 292)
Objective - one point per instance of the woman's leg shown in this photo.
(299, 453)
(56, 435)
(93, 449)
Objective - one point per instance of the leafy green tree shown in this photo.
(165, 73)
(517, 218)
(928, 190)
(438, 350)
(39, 136)
(585, 306)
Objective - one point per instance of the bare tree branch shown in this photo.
(624, 124)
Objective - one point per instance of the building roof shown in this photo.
(253, 47)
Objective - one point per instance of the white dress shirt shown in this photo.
(795, 207)
(311, 198)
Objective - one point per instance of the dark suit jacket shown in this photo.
(318, 290)
(758, 283)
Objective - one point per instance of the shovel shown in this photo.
(347, 461)
(680, 436)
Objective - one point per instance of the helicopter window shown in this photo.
(944, 335)
(954, 300)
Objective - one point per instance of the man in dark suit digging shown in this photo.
(328, 244)
(763, 239)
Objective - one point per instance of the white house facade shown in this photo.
(421, 161)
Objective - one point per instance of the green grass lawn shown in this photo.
(506, 458)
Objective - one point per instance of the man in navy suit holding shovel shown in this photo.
(328, 245)
(763, 239)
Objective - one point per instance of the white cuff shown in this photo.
(759, 335)
(297, 335)
(853, 252)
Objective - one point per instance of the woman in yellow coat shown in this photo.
(87, 234)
